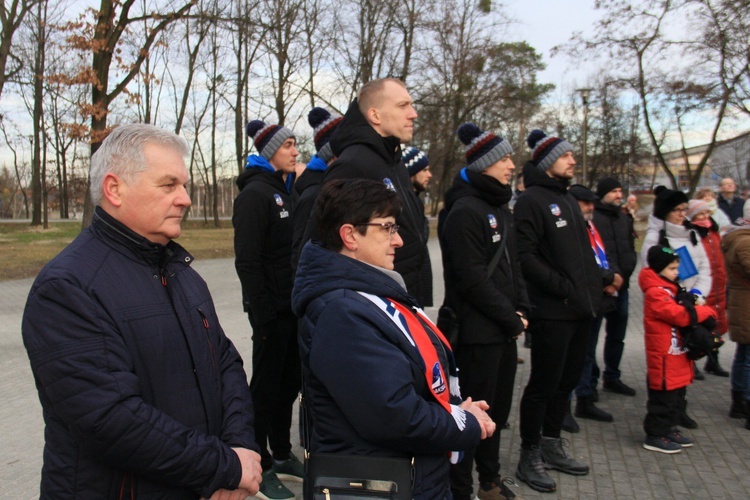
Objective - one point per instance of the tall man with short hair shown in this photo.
(729, 202)
(142, 393)
(565, 286)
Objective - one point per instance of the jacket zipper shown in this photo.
(206, 327)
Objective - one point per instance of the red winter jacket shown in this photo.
(717, 297)
(668, 366)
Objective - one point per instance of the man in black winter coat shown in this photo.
(263, 227)
(367, 145)
(729, 202)
(616, 230)
(143, 395)
(490, 299)
(565, 286)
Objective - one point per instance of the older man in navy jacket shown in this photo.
(142, 393)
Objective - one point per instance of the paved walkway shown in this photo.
(717, 467)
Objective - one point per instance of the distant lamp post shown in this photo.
(585, 93)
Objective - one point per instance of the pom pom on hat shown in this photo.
(483, 149)
(415, 160)
(545, 150)
(267, 138)
(324, 124)
(666, 200)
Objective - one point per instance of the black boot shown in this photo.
(585, 408)
(531, 470)
(685, 421)
(712, 364)
(555, 456)
(698, 374)
(738, 408)
(569, 424)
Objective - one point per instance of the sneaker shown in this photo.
(618, 387)
(555, 456)
(496, 490)
(290, 469)
(531, 471)
(676, 437)
(272, 489)
(661, 444)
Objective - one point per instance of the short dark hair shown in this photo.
(351, 201)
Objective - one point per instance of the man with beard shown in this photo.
(565, 286)
(484, 285)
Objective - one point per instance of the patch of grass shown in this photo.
(24, 250)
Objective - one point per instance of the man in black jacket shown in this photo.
(616, 230)
(367, 145)
(418, 166)
(263, 227)
(488, 293)
(729, 202)
(564, 285)
(142, 393)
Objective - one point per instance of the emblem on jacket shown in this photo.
(555, 209)
(493, 221)
(438, 384)
(389, 184)
(278, 199)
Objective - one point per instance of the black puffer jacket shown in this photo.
(263, 228)
(143, 395)
(470, 235)
(562, 277)
(363, 153)
(616, 230)
(304, 193)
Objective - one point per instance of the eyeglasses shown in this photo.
(680, 210)
(388, 226)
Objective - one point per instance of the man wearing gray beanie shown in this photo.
(565, 285)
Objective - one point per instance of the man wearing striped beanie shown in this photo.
(565, 288)
(262, 221)
(418, 166)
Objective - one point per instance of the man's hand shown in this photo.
(251, 470)
(479, 410)
(238, 494)
(523, 320)
(610, 290)
(617, 282)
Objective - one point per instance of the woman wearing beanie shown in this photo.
(709, 196)
(667, 227)
(700, 220)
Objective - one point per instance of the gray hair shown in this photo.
(121, 153)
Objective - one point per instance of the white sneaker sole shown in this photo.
(662, 450)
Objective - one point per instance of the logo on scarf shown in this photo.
(555, 209)
(389, 184)
(278, 199)
(493, 221)
(438, 384)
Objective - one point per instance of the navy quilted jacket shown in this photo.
(143, 395)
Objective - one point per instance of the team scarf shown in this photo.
(598, 246)
(416, 327)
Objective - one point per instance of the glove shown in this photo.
(700, 300)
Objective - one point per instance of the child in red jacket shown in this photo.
(669, 369)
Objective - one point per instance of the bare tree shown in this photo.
(12, 14)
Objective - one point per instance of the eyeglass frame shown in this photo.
(391, 227)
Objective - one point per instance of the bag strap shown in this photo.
(501, 248)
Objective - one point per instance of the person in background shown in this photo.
(379, 377)
(700, 220)
(418, 166)
(490, 300)
(669, 369)
(707, 194)
(143, 395)
(736, 248)
(729, 202)
(631, 207)
(263, 228)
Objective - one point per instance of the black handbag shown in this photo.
(344, 477)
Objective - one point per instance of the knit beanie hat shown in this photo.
(324, 124)
(695, 207)
(546, 150)
(659, 257)
(267, 138)
(606, 185)
(666, 200)
(483, 149)
(415, 160)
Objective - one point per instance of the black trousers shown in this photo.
(486, 372)
(663, 410)
(558, 351)
(274, 385)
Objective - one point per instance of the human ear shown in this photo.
(348, 236)
(112, 188)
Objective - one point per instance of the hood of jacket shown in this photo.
(321, 271)
(355, 129)
(309, 178)
(275, 179)
(532, 176)
(469, 183)
(648, 278)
